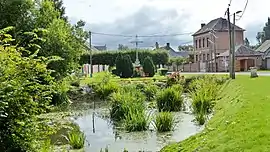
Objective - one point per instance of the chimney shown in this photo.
(157, 45)
(168, 45)
(202, 25)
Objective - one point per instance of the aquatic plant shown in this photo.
(136, 120)
(169, 99)
(164, 122)
(150, 91)
(76, 138)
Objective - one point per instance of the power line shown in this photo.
(155, 35)
(244, 10)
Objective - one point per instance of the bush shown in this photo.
(169, 99)
(124, 67)
(162, 71)
(136, 120)
(76, 138)
(204, 93)
(103, 91)
(148, 67)
(123, 102)
(60, 96)
(150, 91)
(174, 78)
(164, 122)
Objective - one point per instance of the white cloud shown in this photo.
(198, 11)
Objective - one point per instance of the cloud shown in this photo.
(146, 21)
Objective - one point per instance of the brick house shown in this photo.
(211, 40)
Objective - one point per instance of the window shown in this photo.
(200, 43)
(196, 57)
(208, 57)
(203, 42)
(203, 57)
(207, 43)
(196, 43)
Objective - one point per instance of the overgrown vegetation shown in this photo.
(164, 122)
(169, 99)
(76, 138)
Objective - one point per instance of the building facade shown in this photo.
(212, 39)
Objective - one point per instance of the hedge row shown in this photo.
(109, 57)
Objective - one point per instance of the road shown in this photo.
(260, 73)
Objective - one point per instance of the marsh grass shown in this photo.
(136, 120)
(169, 99)
(76, 138)
(164, 122)
(204, 92)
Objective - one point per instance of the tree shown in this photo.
(148, 66)
(118, 64)
(247, 42)
(58, 4)
(185, 48)
(127, 69)
(265, 34)
(122, 47)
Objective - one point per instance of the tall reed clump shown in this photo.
(150, 91)
(170, 99)
(128, 107)
(204, 93)
(164, 122)
(105, 87)
(76, 138)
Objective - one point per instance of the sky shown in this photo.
(161, 17)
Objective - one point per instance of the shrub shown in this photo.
(136, 120)
(169, 99)
(162, 71)
(174, 78)
(76, 138)
(122, 102)
(60, 96)
(124, 66)
(150, 91)
(149, 67)
(164, 122)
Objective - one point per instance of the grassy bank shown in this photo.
(241, 121)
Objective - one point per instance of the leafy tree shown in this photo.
(247, 42)
(58, 4)
(148, 66)
(126, 70)
(185, 48)
(26, 89)
(122, 47)
(265, 34)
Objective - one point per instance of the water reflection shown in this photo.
(100, 133)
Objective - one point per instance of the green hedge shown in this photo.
(109, 57)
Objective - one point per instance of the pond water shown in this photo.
(100, 133)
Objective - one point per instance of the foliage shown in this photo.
(265, 34)
(164, 122)
(76, 138)
(118, 64)
(109, 57)
(169, 99)
(26, 89)
(174, 78)
(127, 69)
(122, 47)
(150, 91)
(58, 5)
(162, 71)
(178, 61)
(125, 101)
(105, 87)
(205, 92)
(185, 48)
(148, 66)
(60, 96)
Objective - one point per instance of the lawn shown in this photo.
(241, 121)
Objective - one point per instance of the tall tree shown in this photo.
(265, 34)
(122, 47)
(185, 48)
(58, 4)
(247, 42)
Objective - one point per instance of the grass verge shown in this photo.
(241, 121)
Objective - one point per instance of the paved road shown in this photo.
(237, 73)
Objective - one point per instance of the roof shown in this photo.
(241, 50)
(174, 53)
(219, 24)
(264, 47)
(101, 48)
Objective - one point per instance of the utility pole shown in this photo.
(90, 50)
(230, 37)
(233, 47)
(137, 62)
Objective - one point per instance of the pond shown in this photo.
(100, 133)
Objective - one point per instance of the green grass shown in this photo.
(76, 138)
(164, 122)
(241, 121)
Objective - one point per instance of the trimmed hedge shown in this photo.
(109, 57)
